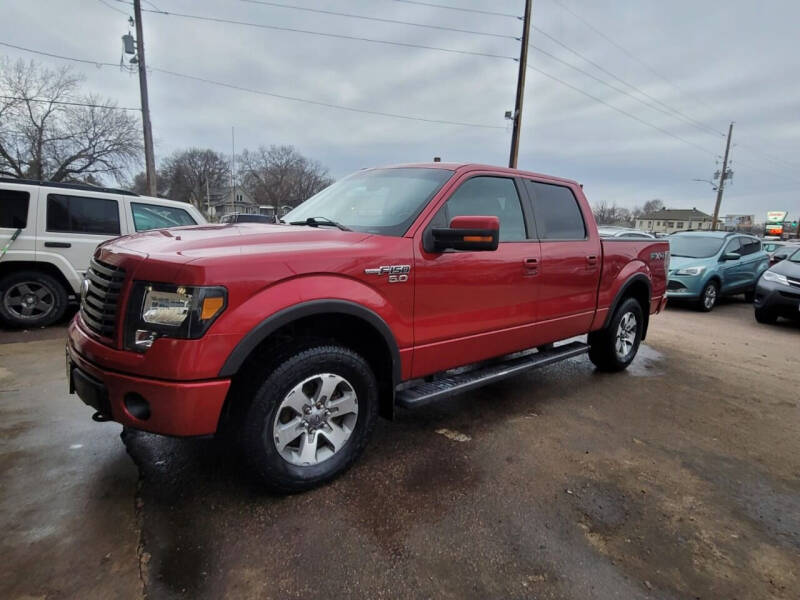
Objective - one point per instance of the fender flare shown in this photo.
(639, 276)
(306, 309)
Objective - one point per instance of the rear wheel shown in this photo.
(311, 418)
(31, 299)
(708, 299)
(766, 316)
(615, 347)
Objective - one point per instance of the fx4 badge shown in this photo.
(396, 273)
(658, 255)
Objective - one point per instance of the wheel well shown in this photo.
(9, 267)
(639, 290)
(347, 330)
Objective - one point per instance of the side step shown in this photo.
(430, 391)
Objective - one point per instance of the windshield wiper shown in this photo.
(317, 221)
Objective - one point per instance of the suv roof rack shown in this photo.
(69, 186)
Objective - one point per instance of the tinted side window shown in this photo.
(151, 216)
(556, 211)
(78, 214)
(750, 246)
(14, 209)
(734, 246)
(489, 196)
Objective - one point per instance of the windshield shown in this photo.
(795, 257)
(694, 246)
(382, 201)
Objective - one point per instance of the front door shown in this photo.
(473, 305)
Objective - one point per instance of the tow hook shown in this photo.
(100, 417)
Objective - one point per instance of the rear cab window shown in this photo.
(14, 209)
(154, 216)
(82, 214)
(556, 212)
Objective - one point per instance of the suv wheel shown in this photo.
(766, 316)
(311, 418)
(615, 347)
(708, 299)
(31, 299)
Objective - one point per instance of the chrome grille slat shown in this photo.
(99, 305)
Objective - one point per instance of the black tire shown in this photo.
(766, 316)
(258, 445)
(708, 297)
(750, 296)
(23, 286)
(603, 344)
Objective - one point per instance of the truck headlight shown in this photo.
(174, 311)
(690, 271)
(775, 278)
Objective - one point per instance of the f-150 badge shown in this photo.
(396, 273)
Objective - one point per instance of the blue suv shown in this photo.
(705, 265)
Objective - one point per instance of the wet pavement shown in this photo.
(677, 479)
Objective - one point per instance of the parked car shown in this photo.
(705, 265)
(607, 231)
(295, 336)
(57, 227)
(247, 218)
(778, 291)
(783, 252)
(770, 246)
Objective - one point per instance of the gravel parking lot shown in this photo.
(677, 479)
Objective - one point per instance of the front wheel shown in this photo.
(615, 347)
(766, 316)
(311, 418)
(708, 299)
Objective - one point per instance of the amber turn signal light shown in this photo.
(477, 238)
(211, 306)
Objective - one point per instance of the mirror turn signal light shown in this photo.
(477, 238)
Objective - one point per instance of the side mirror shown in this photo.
(731, 256)
(467, 233)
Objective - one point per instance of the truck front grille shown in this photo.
(100, 297)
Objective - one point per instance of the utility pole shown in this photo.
(523, 68)
(723, 175)
(233, 168)
(149, 157)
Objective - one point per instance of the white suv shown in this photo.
(48, 233)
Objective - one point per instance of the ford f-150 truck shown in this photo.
(393, 287)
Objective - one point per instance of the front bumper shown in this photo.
(782, 299)
(167, 407)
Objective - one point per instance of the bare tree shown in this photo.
(280, 175)
(186, 173)
(51, 132)
(652, 206)
(611, 214)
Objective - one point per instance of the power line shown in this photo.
(678, 113)
(114, 8)
(619, 110)
(624, 50)
(460, 8)
(266, 93)
(65, 103)
(379, 19)
(322, 33)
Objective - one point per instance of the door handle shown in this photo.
(591, 260)
(531, 266)
(57, 245)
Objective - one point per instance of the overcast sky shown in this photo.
(713, 61)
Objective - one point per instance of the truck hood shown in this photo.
(187, 244)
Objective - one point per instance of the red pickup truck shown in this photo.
(393, 287)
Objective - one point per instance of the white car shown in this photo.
(48, 233)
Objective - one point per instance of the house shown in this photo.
(737, 222)
(231, 200)
(670, 220)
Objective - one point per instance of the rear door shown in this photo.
(473, 305)
(570, 259)
(755, 259)
(73, 223)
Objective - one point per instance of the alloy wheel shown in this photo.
(29, 300)
(626, 335)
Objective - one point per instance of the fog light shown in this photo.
(137, 406)
(143, 339)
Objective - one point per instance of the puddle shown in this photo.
(647, 363)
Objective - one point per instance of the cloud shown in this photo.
(710, 61)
